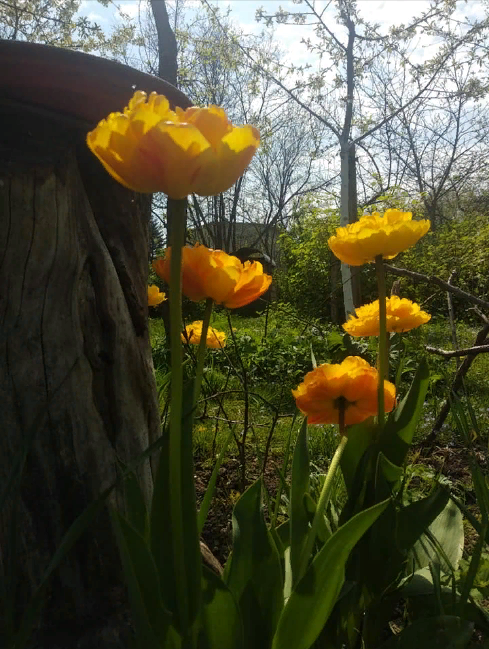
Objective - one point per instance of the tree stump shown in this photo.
(75, 359)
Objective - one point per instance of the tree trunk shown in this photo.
(167, 70)
(345, 200)
(335, 284)
(75, 360)
(348, 196)
(352, 218)
(167, 43)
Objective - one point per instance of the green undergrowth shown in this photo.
(276, 350)
(275, 354)
(442, 373)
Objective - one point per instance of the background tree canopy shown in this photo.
(369, 123)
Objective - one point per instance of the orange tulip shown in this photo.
(155, 297)
(402, 315)
(352, 384)
(193, 333)
(150, 148)
(373, 235)
(208, 273)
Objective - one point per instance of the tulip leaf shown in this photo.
(324, 531)
(313, 598)
(383, 558)
(161, 526)
(391, 472)
(446, 528)
(423, 601)
(399, 430)
(440, 632)
(137, 513)
(283, 533)
(221, 625)
(151, 620)
(299, 487)
(360, 437)
(415, 519)
(254, 574)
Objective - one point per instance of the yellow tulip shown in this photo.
(150, 148)
(208, 273)
(193, 333)
(352, 383)
(155, 296)
(402, 315)
(374, 235)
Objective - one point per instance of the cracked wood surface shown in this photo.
(75, 359)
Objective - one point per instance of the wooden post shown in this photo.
(75, 359)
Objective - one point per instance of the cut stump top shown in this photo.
(81, 86)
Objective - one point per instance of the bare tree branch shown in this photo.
(421, 92)
(268, 74)
(457, 382)
(431, 279)
(167, 43)
(478, 349)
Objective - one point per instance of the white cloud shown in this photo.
(391, 12)
(96, 17)
(131, 9)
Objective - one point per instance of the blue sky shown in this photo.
(384, 12)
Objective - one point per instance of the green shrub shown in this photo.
(304, 275)
(461, 245)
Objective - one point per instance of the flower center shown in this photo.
(342, 403)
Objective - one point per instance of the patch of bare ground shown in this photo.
(452, 460)
(217, 532)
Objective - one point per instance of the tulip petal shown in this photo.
(212, 122)
(224, 165)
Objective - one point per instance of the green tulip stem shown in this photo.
(199, 370)
(176, 409)
(325, 495)
(383, 366)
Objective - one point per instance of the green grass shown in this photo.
(269, 394)
(288, 341)
(268, 398)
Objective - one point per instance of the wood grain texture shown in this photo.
(82, 86)
(75, 359)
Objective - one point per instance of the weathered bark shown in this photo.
(348, 197)
(334, 283)
(356, 285)
(346, 277)
(75, 360)
(167, 43)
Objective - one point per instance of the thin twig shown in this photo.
(228, 421)
(479, 313)
(431, 279)
(457, 382)
(478, 349)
